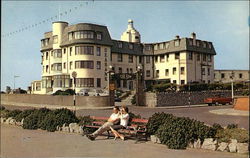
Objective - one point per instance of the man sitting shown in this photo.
(113, 119)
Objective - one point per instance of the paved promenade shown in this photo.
(17, 142)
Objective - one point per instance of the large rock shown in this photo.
(197, 144)
(223, 146)
(58, 128)
(3, 120)
(22, 122)
(209, 144)
(10, 121)
(242, 148)
(74, 128)
(190, 145)
(81, 130)
(155, 139)
(233, 146)
(65, 128)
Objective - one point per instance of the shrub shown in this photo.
(163, 87)
(49, 122)
(86, 120)
(156, 120)
(31, 122)
(245, 92)
(12, 113)
(65, 116)
(217, 126)
(225, 135)
(133, 100)
(66, 92)
(2, 108)
(231, 126)
(23, 114)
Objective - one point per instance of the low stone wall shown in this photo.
(241, 103)
(182, 98)
(82, 101)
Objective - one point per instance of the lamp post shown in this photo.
(111, 86)
(189, 93)
(15, 81)
(74, 74)
(232, 85)
(139, 89)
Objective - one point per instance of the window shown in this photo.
(98, 65)
(124, 83)
(203, 71)
(51, 53)
(56, 67)
(98, 51)
(130, 58)
(197, 43)
(166, 72)
(174, 81)
(131, 46)
(157, 73)
(119, 70)
(162, 58)
(47, 68)
(45, 42)
(209, 57)
(87, 64)
(208, 71)
(176, 43)
(198, 57)
(177, 55)
(204, 57)
(131, 70)
(209, 45)
(47, 55)
(84, 34)
(240, 75)
(55, 39)
(105, 50)
(119, 44)
(155, 47)
(190, 42)
(190, 55)
(174, 70)
(119, 57)
(70, 65)
(88, 50)
(147, 47)
(148, 73)
(57, 53)
(98, 82)
(99, 36)
(140, 59)
(147, 59)
(84, 82)
(182, 81)
(64, 65)
(70, 51)
(64, 51)
(70, 35)
(161, 46)
(182, 70)
(167, 56)
(222, 75)
(204, 45)
(156, 59)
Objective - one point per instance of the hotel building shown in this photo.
(89, 50)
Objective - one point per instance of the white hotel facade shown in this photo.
(89, 50)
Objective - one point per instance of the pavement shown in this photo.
(230, 111)
(17, 142)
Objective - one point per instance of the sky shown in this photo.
(225, 23)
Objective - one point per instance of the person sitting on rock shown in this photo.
(113, 119)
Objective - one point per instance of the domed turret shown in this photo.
(131, 34)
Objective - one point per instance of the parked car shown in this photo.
(84, 92)
(218, 100)
(93, 92)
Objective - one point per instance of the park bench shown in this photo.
(136, 128)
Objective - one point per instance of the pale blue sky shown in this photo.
(225, 23)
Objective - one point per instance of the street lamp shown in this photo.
(111, 86)
(232, 84)
(74, 74)
(15, 80)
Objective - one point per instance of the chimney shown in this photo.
(193, 36)
(177, 37)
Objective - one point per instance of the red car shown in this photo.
(218, 100)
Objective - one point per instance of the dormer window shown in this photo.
(204, 45)
(119, 44)
(84, 34)
(99, 36)
(176, 43)
(70, 35)
(131, 46)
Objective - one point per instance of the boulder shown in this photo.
(3, 119)
(190, 145)
(209, 144)
(10, 121)
(242, 148)
(74, 128)
(58, 128)
(223, 146)
(65, 128)
(197, 144)
(233, 146)
(22, 122)
(81, 130)
(155, 139)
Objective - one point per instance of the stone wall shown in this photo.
(182, 98)
(86, 101)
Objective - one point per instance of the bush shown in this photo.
(23, 114)
(133, 100)
(86, 120)
(31, 122)
(12, 113)
(231, 126)
(217, 126)
(177, 132)
(66, 92)
(163, 87)
(2, 108)
(245, 92)
(225, 135)
(156, 120)
(49, 122)
(65, 116)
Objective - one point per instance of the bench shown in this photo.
(136, 128)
